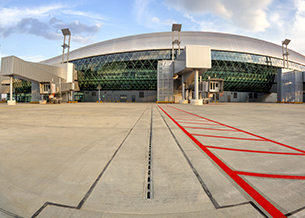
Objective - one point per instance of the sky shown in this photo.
(31, 29)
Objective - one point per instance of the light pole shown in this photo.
(285, 52)
(66, 32)
(177, 28)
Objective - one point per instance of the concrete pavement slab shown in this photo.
(55, 153)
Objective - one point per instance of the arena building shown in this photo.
(126, 68)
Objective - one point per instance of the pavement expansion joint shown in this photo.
(294, 212)
(9, 213)
(79, 206)
(203, 185)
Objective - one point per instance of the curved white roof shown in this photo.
(163, 40)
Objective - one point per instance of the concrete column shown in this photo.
(196, 101)
(183, 101)
(11, 88)
(196, 85)
(11, 101)
(183, 91)
(183, 88)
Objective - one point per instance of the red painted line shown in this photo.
(254, 151)
(270, 175)
(227, 137)
(193, 127)
(270, 208)
(209, 124)
(218, 123)
(187, 119)
(184, 118)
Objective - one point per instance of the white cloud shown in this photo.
(83, 39)
(42, 21)
(249, 15)
(167, 22)
(276, 20)
(287, 21)
(11, 16)
(140, 8)
(145, 16)
(204, 25)
(84, 14)
(297, 28)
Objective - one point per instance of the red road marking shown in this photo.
(218, 123)
(270, 175)
(227, 137)
(209, 124)
(270, 208)
(186, 118)
(192, 127)
(253, 151)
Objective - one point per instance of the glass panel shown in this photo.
(138, 71)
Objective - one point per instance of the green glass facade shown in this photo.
(240, 76)
(22, 90)
(124, 71)
(138, 71)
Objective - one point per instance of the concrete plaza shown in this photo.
(148, 160)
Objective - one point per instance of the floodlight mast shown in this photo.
(66, 32)
(285, 52)
(177, 28)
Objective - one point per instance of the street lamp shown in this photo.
(66, 32)
(285, 52)
(176, 28)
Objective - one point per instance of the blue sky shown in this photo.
(31, 29)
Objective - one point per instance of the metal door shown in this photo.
(123, 98)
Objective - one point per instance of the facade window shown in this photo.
(141, 94)
(250, 95)
(46, 88)
(255, 95)
(93, 94)
(235, 94)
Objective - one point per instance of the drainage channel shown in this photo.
(148, 181)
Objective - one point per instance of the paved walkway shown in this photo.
(136, 160)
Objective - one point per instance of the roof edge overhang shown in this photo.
(162, 41)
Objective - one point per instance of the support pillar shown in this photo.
(11, 101)
(11, 88)
(183, 87)
(196, 101)
(196, 84)
(183, 101)
(183, 91)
